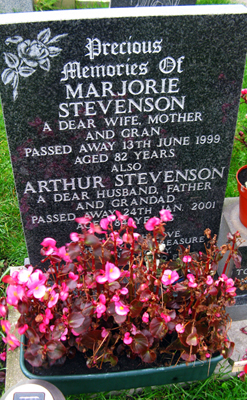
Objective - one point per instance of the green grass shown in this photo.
(12, 244)
(213, 388)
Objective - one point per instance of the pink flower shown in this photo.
(22, 329)
(120, 216)
(152, 223)
(62, 252)
(145, 317)
(64, 292)
(124, 291)
(244, 91)
(179, 328)
(104, 222)
(83, 220)
(74, 236)
(165, 215)
(104, 333)
(12, 341)
(24, 274)
(5, 326)
(165, 317)
(209, 280)
(169, 277)
(72, 276)
(3, 310)
(111, 274)
(187, 259)
(94, 229)
(14, 294)
(53, 299)
(207, 355)
(191, 279)
(127, 338)
(3, 356)
(49, 242)
(131, 223)
(120, 308)
(115, 237)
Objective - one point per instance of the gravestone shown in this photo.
(150, 3)
(133, 112)
(13, 6)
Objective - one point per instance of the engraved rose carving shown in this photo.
(31, 54)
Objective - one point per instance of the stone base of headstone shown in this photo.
(230, 222)
(11, 6)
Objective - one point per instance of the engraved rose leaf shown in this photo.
(44, 35)
(8, 75)
(26, 71)
(14, 39)
(54, 51)
(45, 64)
(11, 60)
(57, 38)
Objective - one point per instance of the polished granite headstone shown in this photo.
(133, 112)
(149, 3)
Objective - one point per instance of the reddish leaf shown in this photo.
(145, 295)
(139, 344)
(92, 240)
(192, 339)
(73, 250)
(148, 356)
(75, 319)
(228, 349)
(188, 357)
(35, 361)
(158, 328)
(55, 350)
(84, 328)
(135, 308)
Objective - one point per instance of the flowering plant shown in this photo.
(110, 292)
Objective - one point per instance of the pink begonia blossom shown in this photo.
(207, 355)
(187, 259)
(133, 330)
(22, 329)
(165, 317)
(42, 327)
(127, 338)
(120, 308)
(49, 242)
(95, 229)
(104, 332)
(3, 356)
(6, 325)
(53, 299)
(12, 341)
(72, 276)
(63, 336)
(62, 252)
(165, 215)
(169, 277)
(111, 274)
(209, 280)
(131, 223)
(115, 237)
(83, 220)
(120, 216)
(244, 91)
(145, 317)
(48, 316)
(36, 290)
(104, 222)
(3, 310)
(115, 297)
(64, 293)
(24, 275)
(124, 291)
(217, 315)
(14, 294)
(100, 309)
(179, 328)
(152, 223)
(191, 279)
(74, 236)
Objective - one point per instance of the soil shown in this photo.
(242, 176)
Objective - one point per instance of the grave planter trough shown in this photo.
(101, 382)
(242, 179)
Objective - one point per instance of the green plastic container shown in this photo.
(104, 382)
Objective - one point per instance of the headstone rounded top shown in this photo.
(33, 389)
